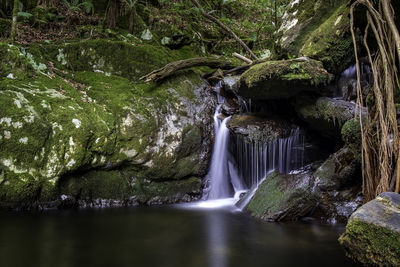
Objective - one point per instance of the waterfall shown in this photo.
(219, 184)
(347, 84)
(256, 159)
(238, 164)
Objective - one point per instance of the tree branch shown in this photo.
(172, 67)
(217, 21)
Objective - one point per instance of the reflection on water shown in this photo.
(162, 236)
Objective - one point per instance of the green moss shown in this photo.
(23, 189)
(114, 57)
(331, 42)
(279, 198)
(97, 184)
(71, 120)
(12, 61)
(351, 135)
(310, 15)
(282, 79)
(371, 245)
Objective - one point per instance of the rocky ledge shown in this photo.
(282, 79)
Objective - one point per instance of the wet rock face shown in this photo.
(257, 129)
(325, 115)
(282, 79)
(284, 197)
(87, 118)
(372, 235)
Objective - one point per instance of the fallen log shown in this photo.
(172, 67)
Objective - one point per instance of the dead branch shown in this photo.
(217, 21)
(245, 59)
(172, 67)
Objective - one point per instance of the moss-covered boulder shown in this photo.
(284, 197)
(259, 129)
(71, 117)
(340, 170)
(325, 115)
(331, 42)
(319, 30)
(282, 79)
(372, 235)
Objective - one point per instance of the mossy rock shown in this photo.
(372, 235)
(54, 124)
(13, 64)
(284, 197)
(282, 79)
(351, 135)
(340, 170)
(331, 42)
(325, 115)
(301, 19)
(119, 58)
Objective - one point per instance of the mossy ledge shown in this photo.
(282, 79)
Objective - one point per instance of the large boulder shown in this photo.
(372, 235)
(282, 79)
(284, 197)
(73, 117)
(317, 29)
(325, 115)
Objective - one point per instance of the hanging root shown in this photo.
(380, 140)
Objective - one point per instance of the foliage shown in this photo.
(78, 5)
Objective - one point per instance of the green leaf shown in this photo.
(25, 15)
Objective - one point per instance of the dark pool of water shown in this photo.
(162, 236)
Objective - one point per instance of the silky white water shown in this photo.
(239, 165)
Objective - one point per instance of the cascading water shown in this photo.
(219, 185)
(238, 165)
(256, 159)
(347, 84)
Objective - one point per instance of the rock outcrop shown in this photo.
(325, 115)
(282, 79)
(372, 235)
(79, 124)
(319, 30)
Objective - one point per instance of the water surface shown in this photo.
(163, 236)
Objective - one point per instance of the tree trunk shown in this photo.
(172, 67)
(14, 21)
(217, 21)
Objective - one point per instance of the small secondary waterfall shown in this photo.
(238, 164)
(347, 84)
(256, 159)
